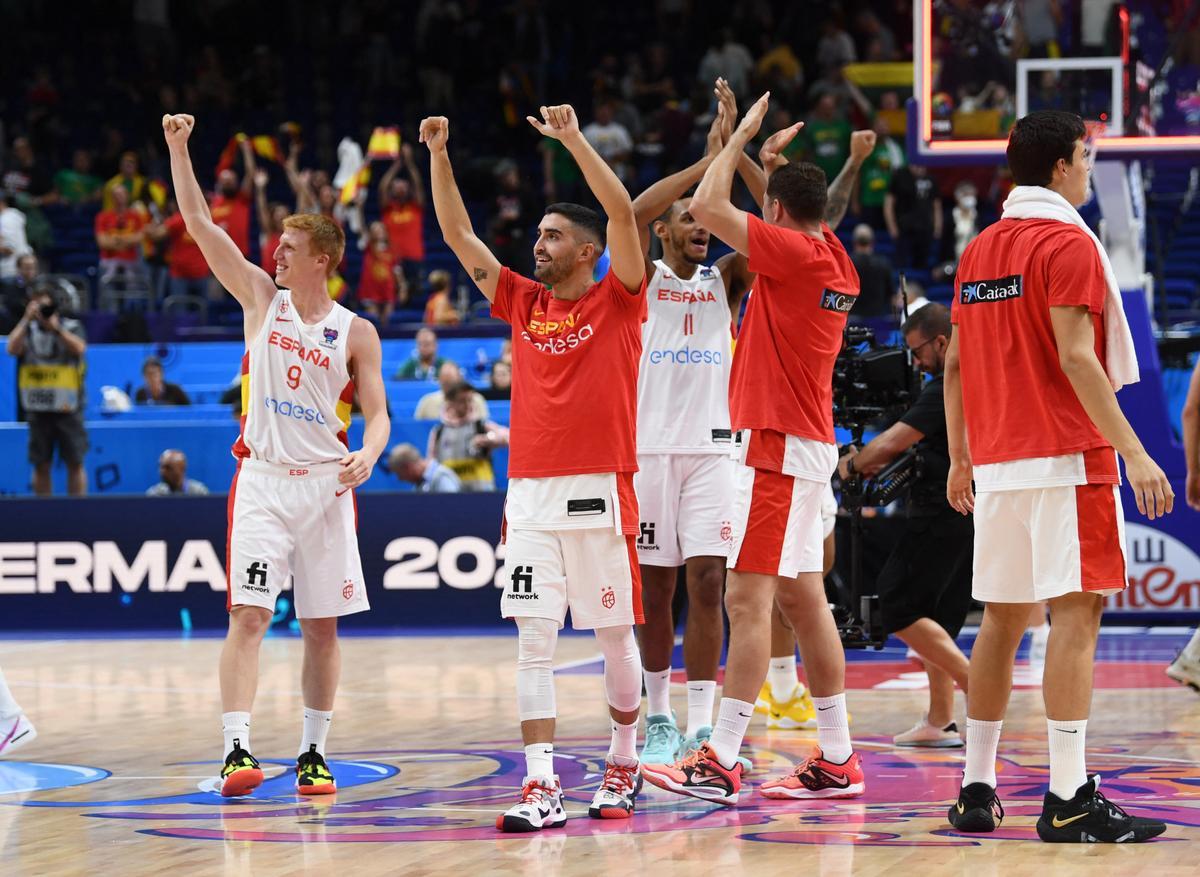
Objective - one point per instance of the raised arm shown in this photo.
(452, 215)
(248, 283)
(414, 174)
(711, 204)
(260, 204)
(624, 250)
(385, 182)
(249, 167)
(842, 188)
(752, 175)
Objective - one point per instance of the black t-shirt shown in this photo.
(928, 416)
(915, 197)
(875, 285)
(172, 394)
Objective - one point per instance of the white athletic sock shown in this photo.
(236, 726)
(701, 696)
(623, 747)
(9, 708)
(658, 692)
(1068, 769)
(732, 722)
(833, 728)
(782, 678)
(983, 738)
(316, 727)
(539, 760)
(1192, 650)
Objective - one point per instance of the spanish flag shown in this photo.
(384, 143)
(356, 182)
(267, 147)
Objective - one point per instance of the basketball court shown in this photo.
(122, 778)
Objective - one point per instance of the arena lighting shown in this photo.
(923, 56)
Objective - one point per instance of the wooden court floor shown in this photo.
(425, 748)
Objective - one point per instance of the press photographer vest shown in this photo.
(48, 378)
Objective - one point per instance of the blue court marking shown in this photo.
(19, 777)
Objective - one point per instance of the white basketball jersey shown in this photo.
(296, 388)
(683, 382)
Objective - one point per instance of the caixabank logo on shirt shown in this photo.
(832, 300)
(1003, 288)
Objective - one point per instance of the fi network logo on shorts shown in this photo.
(832, 300)
(522, 584)
(976, 291)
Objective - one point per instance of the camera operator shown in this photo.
(49, 347)
(925, 585)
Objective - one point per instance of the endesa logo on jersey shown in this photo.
(685, 356)
(294, 410)
(305, 354)
(976, 291)
(832, 300)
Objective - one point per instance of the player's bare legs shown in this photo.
(1071, 652)
(657, 635)
(322, 665)
(748, 601)
(705, 629)
(537, 731)
(802, 601)
(990, 676)
(239, 657)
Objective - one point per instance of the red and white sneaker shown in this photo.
(700, 775)
(817, 778)
(541, 806)
(617, 795)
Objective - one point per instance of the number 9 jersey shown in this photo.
(296, 388)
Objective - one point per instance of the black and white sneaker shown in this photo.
(617, 795)
(541, 806)
(1089, 817)
(977, 809)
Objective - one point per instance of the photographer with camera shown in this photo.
(49, 347)
(925, 585)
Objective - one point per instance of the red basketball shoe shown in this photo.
(817, 778)
(699, 775)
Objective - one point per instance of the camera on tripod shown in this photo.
(872, 384)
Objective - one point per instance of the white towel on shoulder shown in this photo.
(1038, 202)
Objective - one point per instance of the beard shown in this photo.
(682, 246)
(549, 273)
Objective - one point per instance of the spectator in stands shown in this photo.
(157, 391)
(425, 363)
(270, 222)
(874, 274)
(119, 234)
(463, 443)
(913, 295)
(402, 208)
(127, 178)
(230, 206)
(189, 274)
(431, 405)
(874, 33)
(1039, 21)
(836, 47)
(728, 58)
(561, 177)
(429, 476)
(49, 347)
(611, 140)
(501, 383)
(77, 185)
(876, 176)
(439, 310)
(514, 213)
(825, 137)
(15, 291)
(965, 216)
(913, 213)
(27, 176)
(172, 469)
(13, 243)
(381, 277)
(778, 69)
(506, 352)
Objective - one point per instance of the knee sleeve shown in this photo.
(536, 639)
(622, 667)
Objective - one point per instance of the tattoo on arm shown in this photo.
(480, 274)
(839, 195)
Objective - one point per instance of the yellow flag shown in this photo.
(356, 182)
(384, 143)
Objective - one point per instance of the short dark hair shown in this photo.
(931, 321)
(1038, 140)
(459, 390)
(802, 189)
(589, 221)
(152, 362)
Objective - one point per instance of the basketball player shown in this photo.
(1040, 343)
(15, 728)
(1185, 668)
(684, 475)
(781, 404)
(291, 505)
(571, 514)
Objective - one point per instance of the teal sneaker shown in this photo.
(662, 740)
(693, 743)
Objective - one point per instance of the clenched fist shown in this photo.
(177, 128)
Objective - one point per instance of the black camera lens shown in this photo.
(49, 309)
